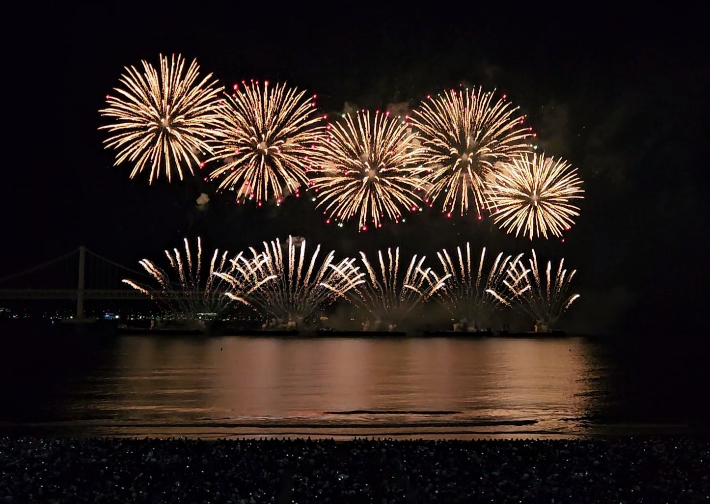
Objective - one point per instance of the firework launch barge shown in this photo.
(199, 328)
(497, 334)
(165, 328)
(334, 333)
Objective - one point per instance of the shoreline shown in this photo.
(647, 469)
(224, 329)
(430, 431)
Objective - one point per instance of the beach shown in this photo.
(108, 470)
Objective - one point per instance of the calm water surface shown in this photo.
(409, 387)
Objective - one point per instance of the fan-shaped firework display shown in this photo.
(544, 298)
(162, 120)
(461, 149)
(192, 293)
(533, 194)
(299, 286)
(388, 294)
(467, 285)
(266, 142)
(367, 166)
(466, 133)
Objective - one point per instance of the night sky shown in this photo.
(621, 94)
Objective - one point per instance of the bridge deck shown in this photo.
(71, 294)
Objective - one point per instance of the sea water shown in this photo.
(100, 384)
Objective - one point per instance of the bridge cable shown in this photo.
(143, 274)
(43, 265)
(172, 283)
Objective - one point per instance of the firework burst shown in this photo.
(299, 286)
(467, 285)
(163, 119)
(544, 298)
(466, 133)
(533, 195)
(192, 293)
(267, 141)
(389, 294)
(367, 166)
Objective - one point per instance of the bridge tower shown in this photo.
(80, 292)
(80, 286)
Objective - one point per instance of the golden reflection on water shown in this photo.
(435, 387)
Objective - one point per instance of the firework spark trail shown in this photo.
(466, 133)
(293, 295)
(533, 194)
(189, 296)
(163, 120)
(368, 166)
(466, 292)
(267, 141)
(544, 298)
(390, 296)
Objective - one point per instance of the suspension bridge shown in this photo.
(94, 276)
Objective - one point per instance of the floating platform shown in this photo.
(76, 321)
(144, 331)
(165, 328)
(533, 334)
(260, 332)
(498, 334)
(360, 334)
(458, 334)
(329, 333)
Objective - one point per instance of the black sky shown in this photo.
(621, 93)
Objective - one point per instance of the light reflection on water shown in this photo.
(232, 386)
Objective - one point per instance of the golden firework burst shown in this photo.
(163, 120)
(466, 133)
(268, 138)
(368, 166)
(533, 194)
